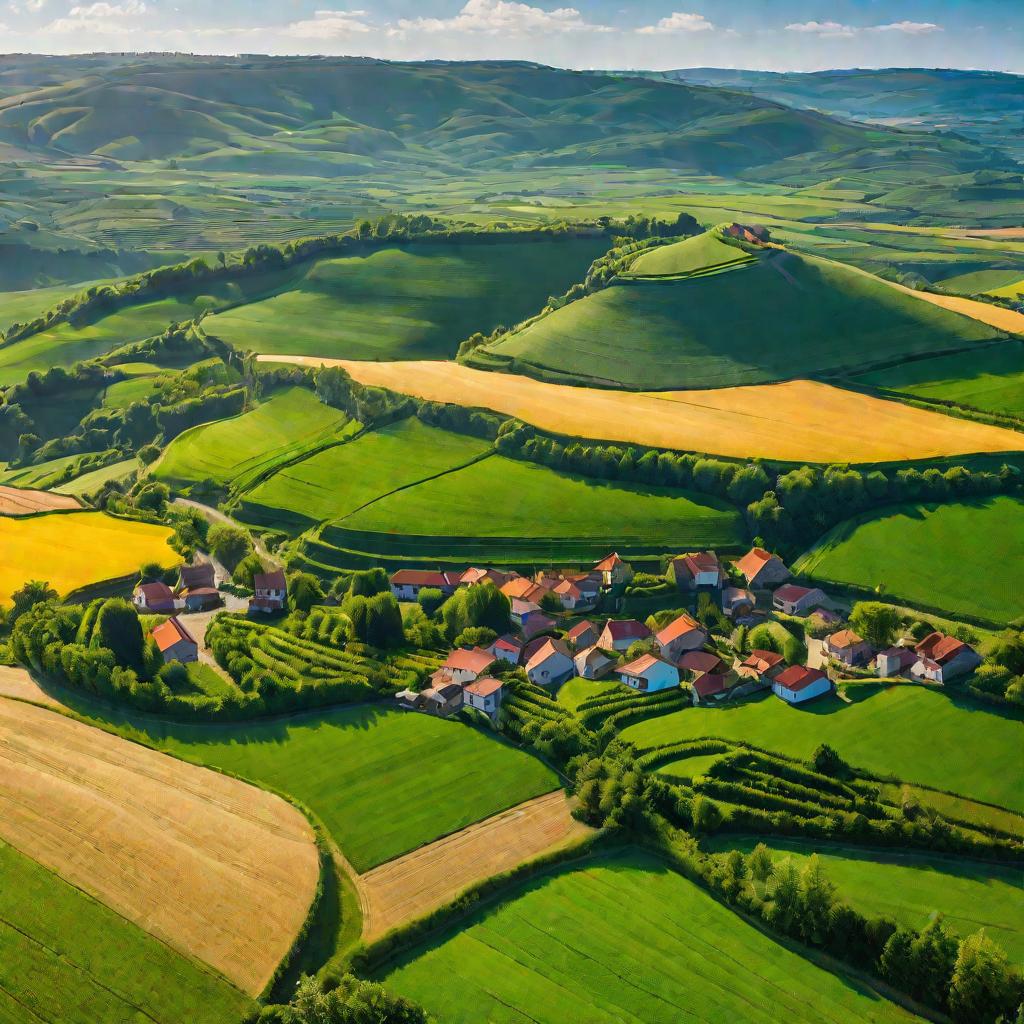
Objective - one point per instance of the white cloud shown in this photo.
(98, 17)
(328, 25)
(912, 28)
(826, 29)
(678, 21)
(34, 5)
(492, 17)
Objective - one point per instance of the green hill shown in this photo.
(776, 316)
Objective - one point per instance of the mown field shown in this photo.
(961, 558)
(906, 731)
(784, 317)
(70, 550)
(417, 301)
(623, 940)
(95, 479)
(702, 252)
(65, 957)
(240, 448)
(910, 888)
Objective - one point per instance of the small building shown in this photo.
(539, 623)
(572, 597)
(941, 657)
(738, 603)
(465, 664)
(614, 571)
(441, 700)
(761, 666)
(584, 634)
(796, 600)
(697, 571)
(473, 576)
(761, 568)
(621, 634)
(551, 664)
(849, 648)
(709, 688)
(406, 584)
(799, 684)
(201, 599)
(196, 577)
(699, 663)
(270, 592)
(153, 597)
(507, 648)
(521, 610)
(484, 694)
(895, 661)
(522, 589)
(175, 642)
(683, 633)
(649, 673)
(593, 663)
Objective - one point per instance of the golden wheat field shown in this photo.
(219, 870)
(798, 421)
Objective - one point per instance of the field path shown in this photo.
(411, 886)
(214, 515)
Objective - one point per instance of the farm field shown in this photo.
(64, 956)
(576, 690)
(95, 479)
(565, 950)
(791, 422)
(417, 301)
(911, 887)
(702, 252)
(239, 449)
(340, 480)
(689, 767)
(70, 550)
(218, 870)
(40, 476)
(960, 557)
(880, 731)
(15, 501)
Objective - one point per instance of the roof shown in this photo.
(202, 592)
(678, 627)
(733, 594)
(171, 632)
(484, 687)
(904, 655)
(469, 660)
(549, 649)
(940, 647)
(700, 561)
(579, 629)
(799, 677)
(539, 624)
(509, 642)
(761, 660)
(269, 580)
(155, 592)
(199, 575)
(845, 638)
(623, 629)
(523, 588)
(591, 654)
(700, 661)
(519, 606)
(754, 561)
(643, 664)
(609, 562)
(570, 588)
(709, 684)
(419, 578)
(793, 592)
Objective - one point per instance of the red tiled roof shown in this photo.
(419, 578)
(709, 684)
(700, 661)
(524, 589)
(548, 649)
(608, 562)
(762, 661)
(580, 628)
(474, 660)
(792, 592)
(269, 580)
(678, 627)
(155, 592)
(622, 629)
(640, 665)
(799, 677)
(753, 562)
(570, 588)
(484, 687)
(168, 633)
(940, 647)
(845, 638)
(509, 643)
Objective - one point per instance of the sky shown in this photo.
(775, 35)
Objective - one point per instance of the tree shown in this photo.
(247, 569)
(368, 582)
(878, 623)
(826, 761)
(153, 497)
(30, 594)
(476, 636)
(349, 1000)
(430, 599)
(759, 863)
(148, 454)
(376, 620)
(707, 815)
(482, 605)
(549, 602)
(984, 986)
(304, 591)
(228, 544)
(817, 894)
(119, 630)
(784, 912)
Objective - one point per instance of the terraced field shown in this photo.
(705, 253)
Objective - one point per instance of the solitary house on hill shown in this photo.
(942, 657)
(649, 673)
(799, 684)
(270, 591)
(175, 642)
(761, 568)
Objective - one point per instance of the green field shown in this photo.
(95, 479)
(41, 476)
(576, 690)
(689, 767)
(418, 301)
(991, 379)
(65, 957)
(785, 316)
(906, 731)
(961, 558)
(704, 252)
(623, 940)
(910, 887)
(139, 388)
(240, 448)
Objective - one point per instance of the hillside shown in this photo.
(774, 315)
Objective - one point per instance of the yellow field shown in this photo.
(73, 549)
(995, 316)
(799, 421)
(219, 870)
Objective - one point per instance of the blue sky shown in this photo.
(800, 35)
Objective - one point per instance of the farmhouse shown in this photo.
(593, 663)
(484, 694)
(698, 663)
(761, 568)
(709, 687)
(649, 673)
(619, 634)
(738, 603)
(551, 664)
(795, 600)
(761, 666)
(406, 584)
(683, 633)
(538, 623)
(441, 700)
(507, 648)
(201, 599)
(195, 577)
(697, 571)
(522, 589)
(153, 597)
(614, 571)
(575, 591)
(472, 576)
(175, 642)
(521, 610)
(465, 664)
(583, 634)
(270, 592)
(799, 684)
(942, 657)
(848, 647)
(895, 661)
(756, 234)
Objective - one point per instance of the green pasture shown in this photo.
(66, 957)
(41, 476)
(22, 307)
(137, 388)
(576, 690)
(962, 558)
(702, 252)
(623, 940)
(916, 734)
(689, 767)
(96, 478)
(910, 888)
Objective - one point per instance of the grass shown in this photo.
(689, 767)
(576, 690)
(959, 557)
(414, 301)
(239, 449)
(702, 252)
(64, 956)
(906, 731)
(910, 888)
(139, 388)
(43, 474)
(94, 480)
(71, 550)
(958, 807)
(623, 940)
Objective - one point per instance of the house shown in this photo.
(895, 661)
(507, 648)
(799, 684)
(711, 686)
(573, 598)
(472, 576)
(484, 694)
(441, 700)
(699, 663)
(521, 610)
(270, 591)
(942, 657)
(406, 584)
(522, 589)
(551, 664)
(592, 663)
(614, 571)
(761, 568)
(848, 647)
(153, 597)
(538, 623)
(756, 234)
(737, 603)
(761, 666)
(796, 600)
(583, 634)
(649, 673)
(196, 577)
(465, 664)
(620, 634)
(826, 617)
(683, 633)
(696, 571)
(201, 599)
(176, 643)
